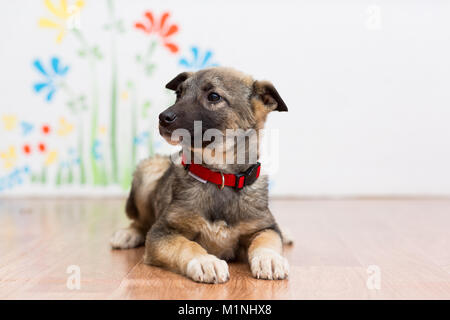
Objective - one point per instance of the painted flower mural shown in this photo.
(98, 126)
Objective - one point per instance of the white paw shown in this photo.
(208, 269)
(268, 264)
(126, 238)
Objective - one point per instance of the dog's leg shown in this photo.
(177, 253)
(127, 238)
(264, 256)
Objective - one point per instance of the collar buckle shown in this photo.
(248, 177)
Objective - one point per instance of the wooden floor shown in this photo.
(335, 243)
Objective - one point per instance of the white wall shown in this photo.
(367, 83)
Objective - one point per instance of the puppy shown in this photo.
(195, 215)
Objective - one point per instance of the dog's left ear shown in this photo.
(175, 82)
(267, 93)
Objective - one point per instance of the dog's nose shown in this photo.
(167, 117)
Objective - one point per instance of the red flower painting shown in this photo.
(45, 129)
(42, 147)
(160, 27)
(27, 149)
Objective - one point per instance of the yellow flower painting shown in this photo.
(9, 157)
(9, 122)
(62, 14)
(65, 127)
(51, 158)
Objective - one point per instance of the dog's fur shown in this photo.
(189, 226)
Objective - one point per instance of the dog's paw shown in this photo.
(268, 264)
(126, 238)
(208, 269)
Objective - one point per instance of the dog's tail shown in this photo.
(286, 234)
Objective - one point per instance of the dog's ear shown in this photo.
(267, 93)
(174, 83)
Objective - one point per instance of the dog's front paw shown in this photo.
(126, 238)
(268, 264)
(208, 269)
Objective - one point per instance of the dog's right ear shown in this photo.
(175, 82)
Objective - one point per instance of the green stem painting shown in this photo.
(113, 115)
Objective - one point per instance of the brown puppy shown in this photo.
(189, 226)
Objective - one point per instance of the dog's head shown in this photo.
(222, 99)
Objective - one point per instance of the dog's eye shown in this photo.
(213, 97)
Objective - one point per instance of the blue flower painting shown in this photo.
(72, 159)
(199, 60)
(96, 150)
(141, 138)
(16, 177)
(51, 77)
(26, 127)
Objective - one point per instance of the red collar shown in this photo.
(237, 181)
